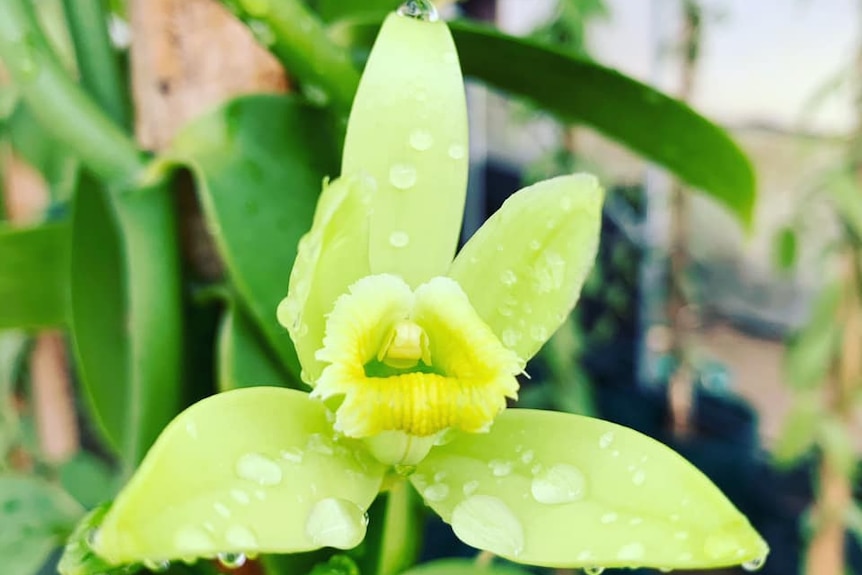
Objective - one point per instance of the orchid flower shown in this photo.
(412, 357)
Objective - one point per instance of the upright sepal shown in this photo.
(408, 131)
(523, 270)
(253, 470)
(562, 490)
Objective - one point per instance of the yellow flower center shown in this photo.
(413, 362)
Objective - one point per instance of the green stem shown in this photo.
(97, 60)
(60, 104)
(298, 39)
(399, 545)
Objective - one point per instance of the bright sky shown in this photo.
(763, 60)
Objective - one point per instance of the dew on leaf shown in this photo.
(594, 570)
(293, 455)
(606, 439)
(500, 467)
(457, 151)
(631, 552)
(470, 487)
(232, 560)
(241, 537)
(754, 564)
(399, 239)
(258, 469)
(560, 483)
(157, 565)
(192, 540)
(420, 140)
(436, 492)
(402, 176)
(486, 522)
(419, 9)
(336, 523)
(639, 477)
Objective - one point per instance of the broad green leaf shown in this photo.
(784, 249)
(799, 432)
(523, 270)
(78, 556)
(243, 358)
(331, 10)
(34, 517)
(812, 350)
(408, 131)
(88, 479)
(34, 285)
(463, 567)
(259, 162)
(126, 316)
(561, 490)
(255, 470)
(652, 124)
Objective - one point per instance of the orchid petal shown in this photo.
(408, 131)
(562, 490)
(523, 270)
(254, 470)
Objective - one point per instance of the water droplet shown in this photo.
(639, 477)
(511, 337)
(240, 496)
(193, 541)
(754, 564)
(241, 537)
(609, 517)
(539, 333)
(500, 467)
(548, 275)
(259, 469)
(221, 509)
(232, 560)
(399, 239)
(319, 443)
(561, 483)
(631, 552)
(157, 565)
(606, 439)
(420, 9)
(594, 570)
(470, 487)
(293, 454)
(437, 492)
(527, 457)
(421, 140)
(457, 152)
(508, 278)
(336, 523)
(192, 429)
(402, 176)
(316, 95)
(487, 523)
(440, 476)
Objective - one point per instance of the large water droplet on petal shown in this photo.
(232, 560)
(336, 523)
(259, 469)
(436, 492)
(500, 467)
(420, 140)
(402, 176)
(561, 483)
(420, 9)
(606, 439)
(486, 522)
(399, 239)
(754, 564)
(594, 570)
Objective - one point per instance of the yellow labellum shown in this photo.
(418, 362)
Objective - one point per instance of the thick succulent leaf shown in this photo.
(330, 257)
(259, 162)
(126, 312)
(34, 291)
(563, 490)
(408, 131)
(523, 270)
(649, 122)
(34, 516)
(463, 567)
(251, 470)
(244, 360)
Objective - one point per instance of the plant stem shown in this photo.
(298, 38)
(98, 64)
(60, 104)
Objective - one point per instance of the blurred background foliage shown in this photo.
(161, 158)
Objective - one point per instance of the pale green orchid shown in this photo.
(412, 357)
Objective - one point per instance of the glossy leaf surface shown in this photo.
(656, 126)
(259, 163)
(34, 288)
(562, 490)
(277, 482)
(408, 131)
(523, 270)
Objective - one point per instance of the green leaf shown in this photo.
(836, 440)
(331, 10)
(251, 470)
(126, 318)
(652, 124)
(34, 290)
(812, 350)
(259, 163)
(12, 346)
(784, 249)
(844, 193)
(88, 479)
(800, 430)
(560, 490)
(408, 131)
(463, 567)
(34, 517)
(243, 359)
(523, 270)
